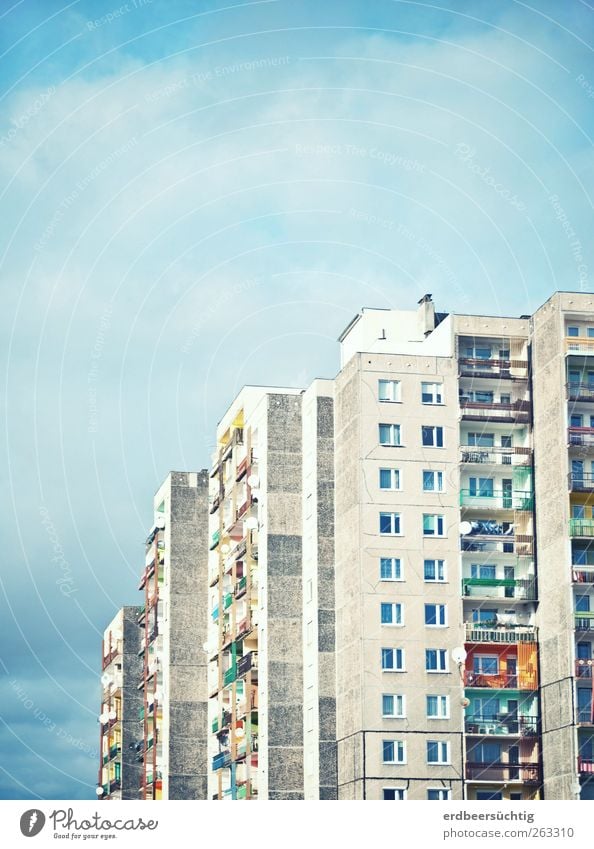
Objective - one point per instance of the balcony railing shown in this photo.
(230, 675)
(582, 576)
(586, 766)
(221, 760)
(484, 632)
(493, 543)
(584, 716)
(580, 436)
(581, 482)
(497, 499)
(583, 668)
(516, 411)
(581, 527)
(477, 367)
(249, 661)
(584, 621)
(528, 773)
(575, 345)
(215, 540)
(495, 456)
(520, 726)
(512, 588)
(502, 681)
(580, 391)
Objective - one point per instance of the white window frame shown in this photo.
(442, 654)
(393, 388)
(435, 389)
(395, 480)
(398, 699)
(438, 570)
(393, 562)
(400, 790)
(441, 744)
(434, 429)
(393, 522)
(443, 706)
(394, 658)
(438, 518)
(444, 794)
(397, 612)
(441, 612)
(399, 746)
(395, 432)
(438, 477)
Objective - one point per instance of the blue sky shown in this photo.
(198, 195)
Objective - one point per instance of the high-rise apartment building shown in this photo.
(171, 741)
(399, 589)
(119, 771)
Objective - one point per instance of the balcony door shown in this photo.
(514, 760)
(577, 472)
(508, 501)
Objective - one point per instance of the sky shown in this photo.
(199, 195)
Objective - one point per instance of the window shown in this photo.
(489, 795)
(484, 664)
(432, 481)
(432, 436)
(390, 569)
(393, 706)
(391, 613)
(590, 332)
(436, 660)
(486, 571)
(434, 570)
(582, 604)
(486, 753)
(438, 707)
(432, 393)
(478, 352)
(435, 614)
(433, 525)
(573, 331)
(389, 523)
(483, 487)
(394, 793)
(389, 390)
(389, 478)
(393, 660)
(438, 752)
(484, 614)
(393, 752)
(485, 440)
(576, 420)
(438, 794)
(389, 434)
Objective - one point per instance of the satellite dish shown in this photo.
(251, 523)
(113, 714)
(458, 655)
(160, 521)
(240, 731)
(99, 791)
(464, 702)
(465, 528)
(253, 481)
(103, 718)
(224, 548)
(105, 679)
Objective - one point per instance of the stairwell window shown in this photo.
(389, 434)
(436, 660)
(436, 615)
(393, 706)
(432, 436)
(393, 752)
(438, 752)
(432, 393)
(390, 569)
(393, 660)
(433, 525)
(389, 390)
(389, 524)
(391, 613)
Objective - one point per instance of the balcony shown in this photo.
(583, 668)
(502, 681)
(498, 368)
(584, 621)
(580, 482)
(490, 537)
(495, 456)
(524, 589)
(502, 724)
(575, 345)
(230, 675)
(580, 391)
(497, 499)
(581, 528)
(494, 411)
(499, 633)
(580, 436)
(215, 540)
(240, 587)
(527, 773)
(246, 663)
(221, 760)
(582, 576)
